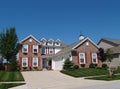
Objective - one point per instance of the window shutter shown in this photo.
(91, 57)
(78, 57)
(39, 49)
(39, 61)
(29, 61)
(86, 57)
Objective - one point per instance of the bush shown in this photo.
(104, 66)
(92, 65)
(75, 67)
(83, 65)
(67, 64)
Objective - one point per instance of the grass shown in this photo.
(106, 78)
(11, 76)
(84, 72)
(6, 86)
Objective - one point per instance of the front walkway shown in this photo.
(57, 80)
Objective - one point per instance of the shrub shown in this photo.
(92, 65)
(75, 67)
(104, 66)
(67, 64)
(83, 65)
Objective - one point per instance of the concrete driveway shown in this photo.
(57, 80)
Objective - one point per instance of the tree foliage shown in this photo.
(9, 44)
(109, 55)
(67, 64)
(102, 55)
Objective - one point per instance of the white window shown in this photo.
(50, 50)
(35, 62)
(50, 43)
(57, 43)
(25, 62)
(25, 48)
(35, 48)
(82, 58)
(94, 58)
(43, 50)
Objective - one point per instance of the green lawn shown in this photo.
(11, 76)
(84, 72)
(6, 86)
(106, 78)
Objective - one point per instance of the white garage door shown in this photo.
(57, 64)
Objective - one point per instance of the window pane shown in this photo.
(25, 47)
(35, 48)
(43, 50)
(82, 58)
(94, 57)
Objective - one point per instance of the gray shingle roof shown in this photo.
(112, 41)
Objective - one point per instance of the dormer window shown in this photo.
(57, 43)
(35, 48)
(43, 41)
(25, 48)
(50, 42)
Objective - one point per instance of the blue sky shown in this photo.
(63, 19)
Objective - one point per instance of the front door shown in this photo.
(47, 63)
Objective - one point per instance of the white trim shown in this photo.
(83, 42)
(35, 59)
(25, 59)
(29, 37)
(80, 58)
(93, 58)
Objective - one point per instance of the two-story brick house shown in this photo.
(38, 54)
(30, 54)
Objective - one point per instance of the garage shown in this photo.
(57, 64)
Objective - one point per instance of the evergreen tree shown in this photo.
(9, 44)
(67, 64)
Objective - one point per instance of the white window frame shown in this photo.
(33, 61)
(34, 47)
(26, 61)
(57, 43)
(94, 55)
(50, 43)
(82, 58)
(51, 49)
(25, 47)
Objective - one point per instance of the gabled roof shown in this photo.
(43, 39)
(74, 46)
(29, 37)
(111, 41)
(81, 42)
